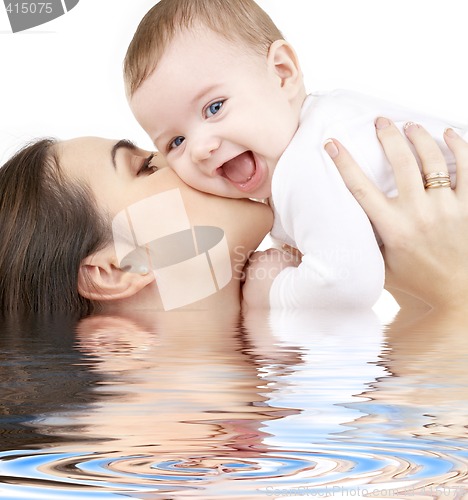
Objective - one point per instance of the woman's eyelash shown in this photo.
(146, 165)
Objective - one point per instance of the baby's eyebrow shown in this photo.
(123, 143)
(204, 92)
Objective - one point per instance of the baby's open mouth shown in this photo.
(240, 169)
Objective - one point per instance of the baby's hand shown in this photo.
(262, 269)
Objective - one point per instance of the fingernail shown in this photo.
(330, 148)
(449, 132)
(381, 123)
(409, 126)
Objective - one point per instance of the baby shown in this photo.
(221, 94)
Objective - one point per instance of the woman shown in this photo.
(58, 203)
(58, 200)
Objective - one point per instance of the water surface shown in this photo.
(211, 406)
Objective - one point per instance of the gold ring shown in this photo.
(437, 175)
(436, 180)
(437, 183)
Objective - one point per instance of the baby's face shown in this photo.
(219, 113)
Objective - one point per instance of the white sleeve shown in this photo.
(350, 116)
(342, 265)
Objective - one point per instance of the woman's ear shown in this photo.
(283, 61)
(100, 278)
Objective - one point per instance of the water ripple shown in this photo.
(39, 474)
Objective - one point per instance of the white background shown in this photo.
(64, 78)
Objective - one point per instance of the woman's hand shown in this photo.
(424, 231)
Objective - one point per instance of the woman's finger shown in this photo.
(434, 166)
(398, 152)
(373, 201)
(459, 148)
(432, 159)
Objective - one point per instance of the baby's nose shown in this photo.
(204, 147)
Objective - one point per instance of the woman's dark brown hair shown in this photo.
(48, 225)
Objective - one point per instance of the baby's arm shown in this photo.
(343, 270)
(346, 271)
(342, 265)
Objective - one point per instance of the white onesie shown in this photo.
(342, 265)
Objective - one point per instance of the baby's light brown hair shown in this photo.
(238, 21)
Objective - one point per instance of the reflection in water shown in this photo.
(191, 404)
(185, 379)
(40, 372)
(429, 366)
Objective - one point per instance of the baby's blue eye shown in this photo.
(176, 142)
(213, 108)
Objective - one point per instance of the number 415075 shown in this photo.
(29, 8)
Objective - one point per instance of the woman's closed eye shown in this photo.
(146, 167)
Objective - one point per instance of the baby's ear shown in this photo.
(283, 61)
(100, 278)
